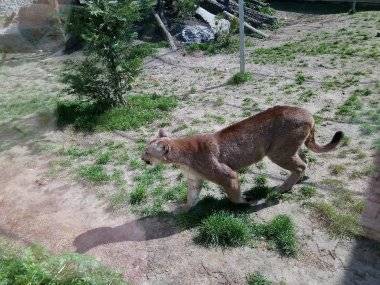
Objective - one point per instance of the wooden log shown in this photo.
(252, 16)
(218, 26)
(223, 8)
(217, 4)
(248, 26)
(166, 32)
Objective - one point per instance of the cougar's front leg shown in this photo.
(229, 180)
(194, 185)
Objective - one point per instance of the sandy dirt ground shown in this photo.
(65, 214)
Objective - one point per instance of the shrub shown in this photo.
(239, 78)
(223, 229)
(186, 8)
(112, 60)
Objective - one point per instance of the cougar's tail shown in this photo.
(313, 146)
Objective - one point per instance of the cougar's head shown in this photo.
(157, 149)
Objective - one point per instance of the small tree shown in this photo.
(112, 58)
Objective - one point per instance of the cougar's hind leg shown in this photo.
(295, 165)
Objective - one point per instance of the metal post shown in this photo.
(354, 7)
(241, 35)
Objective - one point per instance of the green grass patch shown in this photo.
(223, 229)
(151, 191)
(262, 191)
(281, 232)
(103, 158)
(177, 193)
(300, 78)
(368, 129)
(119, 199)
(76, 152)
(34, 265)
(239, 78)
(337, 169)
(306, 95)
(350, 108)
(204, 208)
(339, 82)
(138, 194)
(257, 279)
(139, 111)
(94, 173)
(308, 192)
(343, 43)
(221, 223)
(340, 215)
(229, 230)
(25, 100)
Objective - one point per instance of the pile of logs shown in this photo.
(230, 8)
(251, 7)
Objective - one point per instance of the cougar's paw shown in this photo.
(249, 199)
(303, 178)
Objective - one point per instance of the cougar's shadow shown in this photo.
(156, 227)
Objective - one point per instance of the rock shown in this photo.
(217, 25)
(197, 34)
(9, 7)
(34, 28)
(11, 40)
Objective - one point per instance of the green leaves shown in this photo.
(113, 60)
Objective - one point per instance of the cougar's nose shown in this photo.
(143, 158)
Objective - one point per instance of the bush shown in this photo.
(223, 229)
(186, 8)
(239, 78)
(112, 59)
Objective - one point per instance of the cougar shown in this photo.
(277, 133)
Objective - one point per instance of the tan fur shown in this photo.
(277, 133)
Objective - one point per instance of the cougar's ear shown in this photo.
(162, 133)
(163, 148)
